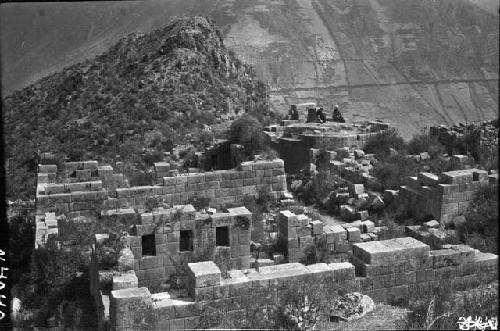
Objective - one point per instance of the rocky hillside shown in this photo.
(412, 63)
(147, 91)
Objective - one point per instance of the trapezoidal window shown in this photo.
(222, 236)
(186, 241)
(148, 245)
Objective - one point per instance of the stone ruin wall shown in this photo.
(222, 187)
(153, 270)
(388, 271)
(445, 196)
(92, 189)
(295, 144)
(297, 232)
(479, 139)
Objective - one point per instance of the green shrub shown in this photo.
(316, 253)
(442, 305)
(199, 202)
(394, 170)
(318, 187)
(424, 142)
(481, 228)
(381, 143)
(141, 179)
(249, 132)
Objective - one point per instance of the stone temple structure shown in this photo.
(294, 139)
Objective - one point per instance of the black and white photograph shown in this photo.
(249, 165)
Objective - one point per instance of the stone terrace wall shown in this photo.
(239, 296)
(388, 271)
(392, 270)
(443, 197)
(224, 188)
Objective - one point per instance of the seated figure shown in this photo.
(337, 116)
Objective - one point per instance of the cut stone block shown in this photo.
(362, 215)
(353, 234)
(457, 177)
(365, 237)
(342, 271)
(302, 220)
(389, 251)
(368, 226)
(204, 274)
(357, 189)
(47, 168)
(431, 224)
(317, 227)
(125, 302)
(128, 280)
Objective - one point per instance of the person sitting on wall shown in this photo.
(337, 116)
(295, 113)
(321, 118)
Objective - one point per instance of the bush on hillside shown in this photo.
(481, 229)
(393, 170)
(381, 143)
(424, 142)
(442, 305)
(249, 132)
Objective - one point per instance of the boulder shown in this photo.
(377, 203)
(431, 224)
(459, 221)
(351, 306)
(126, 260)
(296, 185)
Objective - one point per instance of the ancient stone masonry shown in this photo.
(162, 241)
(245, 292)
(294, 141)
(392, 270)
(85, 186)
(478, 139)
(388, 271)
(297, 232)
(46, 226)
(443, 197)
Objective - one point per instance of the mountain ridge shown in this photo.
(147, 91)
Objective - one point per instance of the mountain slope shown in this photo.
(147, 91)
(412, 63)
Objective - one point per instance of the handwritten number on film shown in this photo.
(2, 285)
